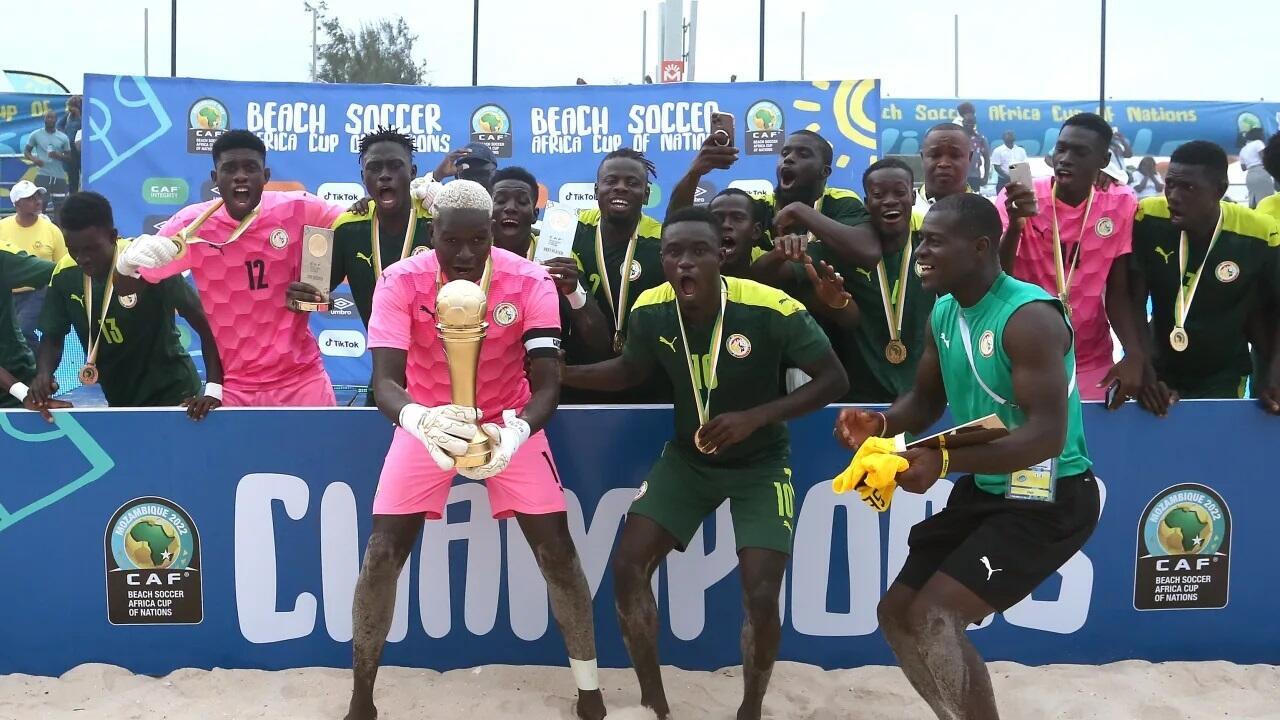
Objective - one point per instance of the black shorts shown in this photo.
(1002, 549)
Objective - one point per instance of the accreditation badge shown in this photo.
(1037, 483)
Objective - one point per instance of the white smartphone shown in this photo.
(1021, 174)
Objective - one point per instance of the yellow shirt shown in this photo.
(43, 240)
(1270, 205)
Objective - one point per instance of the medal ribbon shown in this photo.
(533, 247)
(1059, 270)
(817, 206)
(188, 234)
(893, 312)
(94, 345)
(702, 404)
(377, 244)
(619, 308)
(1187, 291)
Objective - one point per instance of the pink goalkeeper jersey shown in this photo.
(523, 312)
(1108, 234)
(242, 286)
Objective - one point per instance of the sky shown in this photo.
(1016, 49)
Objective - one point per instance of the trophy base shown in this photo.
(479, 452)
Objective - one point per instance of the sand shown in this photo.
(1121, 691)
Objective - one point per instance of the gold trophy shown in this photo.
(460, 310)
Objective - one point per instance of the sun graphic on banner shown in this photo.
(848, 107)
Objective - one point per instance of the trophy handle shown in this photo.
(181, 243)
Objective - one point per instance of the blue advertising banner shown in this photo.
(142, 539)
(147, 142)
(1153, 127)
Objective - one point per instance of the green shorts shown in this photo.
(680, 492)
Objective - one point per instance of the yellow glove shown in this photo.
(847, 480)
(881, 479)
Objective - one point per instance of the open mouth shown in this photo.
(240, 194)
(387, 197)
(468, 272)
(891, 216)
(786, 177)
(925, 270)
(619, 204)
(509, 223)
(688, 286)
(728, 242)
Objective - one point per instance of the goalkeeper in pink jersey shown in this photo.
(411, 384)
(248, 252)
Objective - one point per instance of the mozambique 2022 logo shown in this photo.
(206, 121)
(764, 128)
(491, 125)
(153, 565)
(1184, 551)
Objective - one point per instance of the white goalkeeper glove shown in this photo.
(146, 251)
(425, 189)
(506, 441)
(445, 430)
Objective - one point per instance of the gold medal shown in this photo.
(619, 304)
(1066, 304)
(697, 442)
(617, 343)
(1178, 340)
(896, 352)
(707, 379)
(89, 374)
(1063, 276)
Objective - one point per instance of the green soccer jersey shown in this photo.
(17, 269)
(971, 340)
(1241, 272)
(140, 357)
(843, 206)
(764, 331)
(353, 253)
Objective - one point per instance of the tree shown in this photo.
(381, 52)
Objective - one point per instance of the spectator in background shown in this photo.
(1004, 156)
(1120, 149)
(17, 269)
(1147, 182)
(30, 231)
(1260, 183)
(1271, 161)
(70, 124)
(47, 149)
(980, 162)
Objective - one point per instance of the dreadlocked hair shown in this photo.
(650, 169)
(386, 134)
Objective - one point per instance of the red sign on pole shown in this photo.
(672, 71)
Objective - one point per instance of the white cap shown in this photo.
(24, 189)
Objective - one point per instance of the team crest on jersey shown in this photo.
(644, 488)
(738, 345)
(1105, 227)
(419, 250)
(279, 238)
(635, 270)
(1227, 271)
(505, 314)
(987, 344)
(128, 301)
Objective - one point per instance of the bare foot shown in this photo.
(659, 707)
(361, 711)
(748, 713)
(590, 705)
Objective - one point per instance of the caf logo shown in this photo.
(764, 128)
(153, 564)
(1105, 227)
(1227, 271)
(128, 301)
(505, 314)
(635, 270)
(279, 238)
(738, 345)
(987, 344)
(491, 126)
(206, 121)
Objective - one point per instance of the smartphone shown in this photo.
(722, 128)
(1112, 389)
(1021, 174)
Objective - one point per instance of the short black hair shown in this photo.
(386, 134)
(1255, 133)
(1094, 122)
(693, 214)
(1205, 154)
(756, 213)
(889, 163)
(238, 140)
(823, 145)
(943, 127)
(966, 107)
(519, 174)
(650, 169)
(86, 209)
(978, 215)
(1271, 156)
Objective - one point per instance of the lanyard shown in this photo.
(968, 353)
(92, 355)
(377, 244)
(1186, 294)
(703, 404)
(188, 234)
(619, 307)
(818, 207)
(893, 313)
(533, 247)
(1059, 269)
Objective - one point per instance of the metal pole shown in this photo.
(1102, 65)
(644, 44)
(802, 38)
(475, 43)
(314, 48)
(173, 38)
(693, 42)
(146, 41)
(761, 40)
(956, 64)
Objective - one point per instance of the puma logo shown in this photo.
(426, 310)
(864, 272)
(945, 341)
(787, 525)
(78, 299)
(669, 343)
(990, 570)
(365, 258)
(1164, 254)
